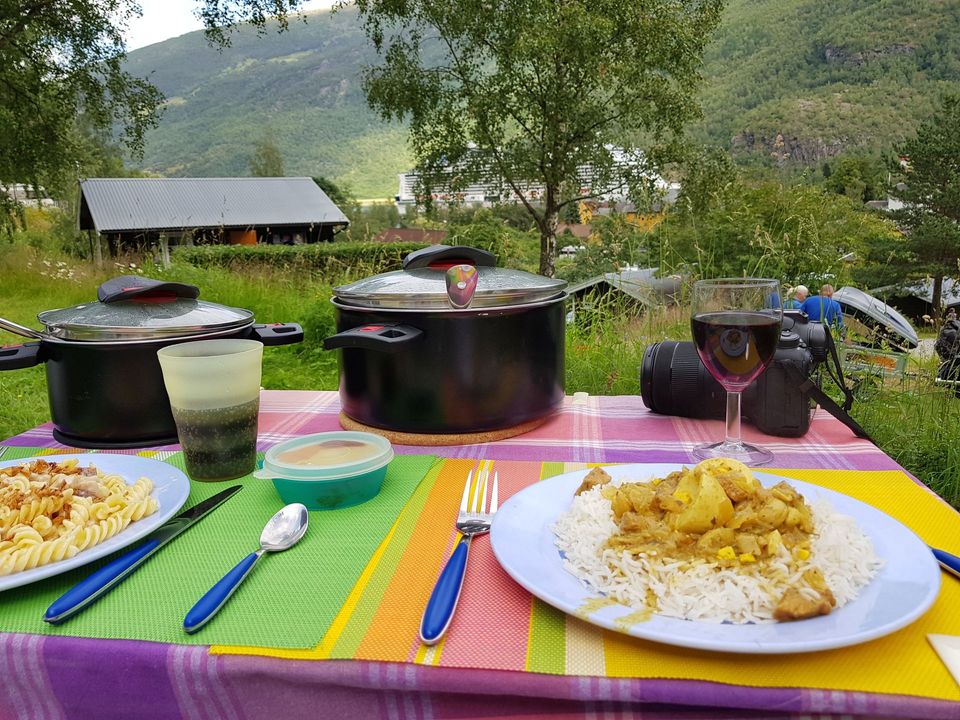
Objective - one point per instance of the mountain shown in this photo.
(804, 80)
(791, 82)
(299, 89)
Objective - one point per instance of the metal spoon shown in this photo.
(282, 531)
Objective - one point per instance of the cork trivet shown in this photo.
(429, 439)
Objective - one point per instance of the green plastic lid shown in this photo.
(326, 456)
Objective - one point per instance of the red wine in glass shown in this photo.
(735, 324)
(736, 346)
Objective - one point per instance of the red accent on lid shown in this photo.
(446, 264)
(372, 328)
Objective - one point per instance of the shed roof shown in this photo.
(640, 284)
(126, 204)
(923, 290)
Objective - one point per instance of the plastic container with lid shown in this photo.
(330, 470)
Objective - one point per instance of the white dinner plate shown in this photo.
(170, 487)
(897, 595)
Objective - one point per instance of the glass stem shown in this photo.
(733, 418)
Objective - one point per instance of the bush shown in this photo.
(795, 233)
(613, 243)
(329, 260)
(512, 247)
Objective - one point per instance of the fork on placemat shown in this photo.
(472, 520)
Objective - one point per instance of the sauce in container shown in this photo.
(330, 470)
(328, 452)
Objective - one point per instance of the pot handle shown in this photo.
(136, 287)
(380, 338)
(278, 333)
(444, 256)
(16, 357)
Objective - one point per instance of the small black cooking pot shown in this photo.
(103, 378)
(450, 344)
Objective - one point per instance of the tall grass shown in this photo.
(918, 424)
(37, 280)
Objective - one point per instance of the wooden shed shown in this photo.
(134, 213)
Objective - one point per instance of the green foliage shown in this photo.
(859, 177)
(336, 259)
(513, 248)
(267, 161)
(797, 234)
(604, 347)
(366, 221)
(917, 424)
(766, 74)
(613, 243)
(63, 82)
(710, 175)
(931, 196)
(533, 96)
(341, 195)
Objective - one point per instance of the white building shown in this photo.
(495, 190)
(27, 195)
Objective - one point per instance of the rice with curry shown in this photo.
(710, 543)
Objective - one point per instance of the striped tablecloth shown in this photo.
(66, 677)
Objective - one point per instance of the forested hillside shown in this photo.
(299, 89)
(787, 81)
(802, 80)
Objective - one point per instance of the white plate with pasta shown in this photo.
(54, 519)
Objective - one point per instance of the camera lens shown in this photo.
(673, 381)
(817, 342)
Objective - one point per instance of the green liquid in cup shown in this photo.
(219, 443)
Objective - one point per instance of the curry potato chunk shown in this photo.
(597, 476)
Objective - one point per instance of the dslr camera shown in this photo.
(673, 381)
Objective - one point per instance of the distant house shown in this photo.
(131, 213)
(411, 235)
(494, 190)
(27, 195)
(581, 231)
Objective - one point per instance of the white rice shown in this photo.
(705, 591)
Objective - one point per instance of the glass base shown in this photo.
(744, 452)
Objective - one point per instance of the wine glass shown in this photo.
(736, 328)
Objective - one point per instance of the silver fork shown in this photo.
(472, 520)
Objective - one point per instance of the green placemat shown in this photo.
(288, 601)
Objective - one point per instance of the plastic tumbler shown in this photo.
(214, 390)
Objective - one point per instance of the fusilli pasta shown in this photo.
(51, 511)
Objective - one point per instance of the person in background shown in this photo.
(824, 309)
(800, 294)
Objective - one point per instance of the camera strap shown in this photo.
(807, 385)
(838, 378)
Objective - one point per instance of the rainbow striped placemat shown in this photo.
(288, 601)
(499, 626)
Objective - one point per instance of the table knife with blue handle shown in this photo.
(950, 563)
(103, 580)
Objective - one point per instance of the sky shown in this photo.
(163, 19)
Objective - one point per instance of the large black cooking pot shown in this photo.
(103, 377)
(450, 344)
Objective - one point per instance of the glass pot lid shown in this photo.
(450, 278)
(144, 319)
